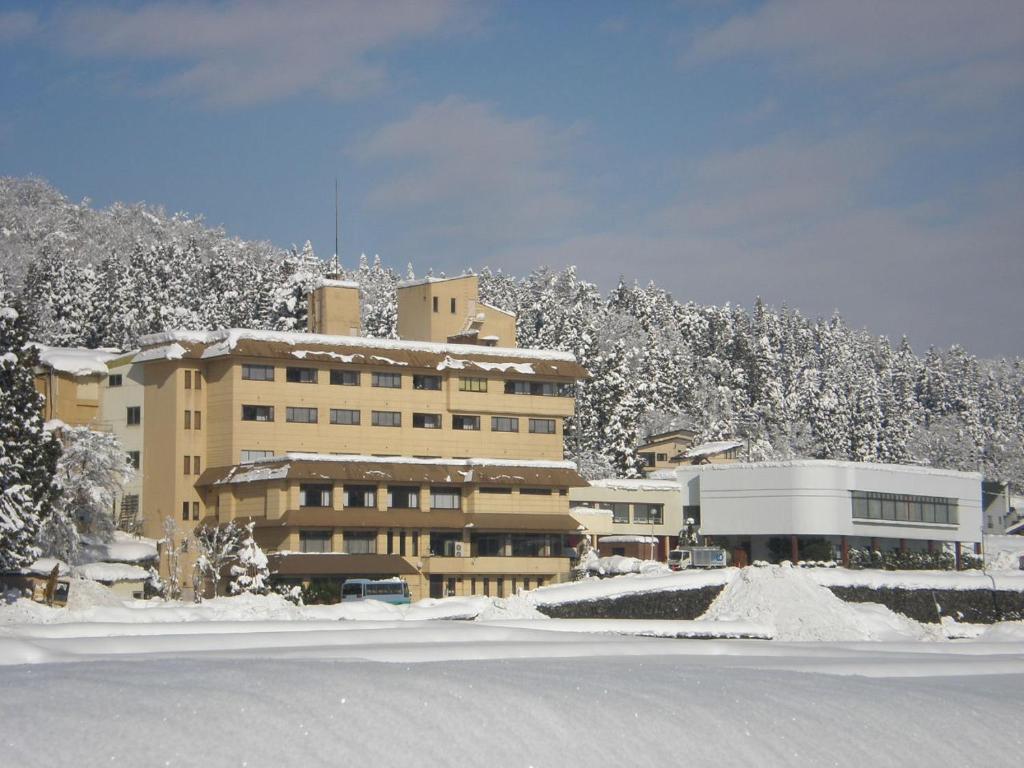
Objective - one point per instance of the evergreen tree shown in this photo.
(28, 454)
(251, 572)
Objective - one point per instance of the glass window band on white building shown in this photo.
(901, 507)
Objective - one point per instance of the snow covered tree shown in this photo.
(218, 547)
(251, 572)
(91, 473)
(28, 453)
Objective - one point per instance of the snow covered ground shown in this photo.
(260, 682)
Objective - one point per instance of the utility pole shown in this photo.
(336, 257)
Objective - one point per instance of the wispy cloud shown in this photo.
(17, 25)
(473, 172)
(257, 51)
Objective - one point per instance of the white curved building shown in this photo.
(849, 504)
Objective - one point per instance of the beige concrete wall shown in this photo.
(75, 400)
(334, 310)
(228, 435)
(602, 525)
(418, 320)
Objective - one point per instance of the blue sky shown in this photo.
(863, 156)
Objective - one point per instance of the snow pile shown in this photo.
(519, 606)
(799, 608)
(1004, 553)
(662, 580)
(78, 361)
(124, 548)
(85, 595)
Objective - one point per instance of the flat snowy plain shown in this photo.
(258, 682)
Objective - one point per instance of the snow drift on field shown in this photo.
(1004, 553)
(799, 608)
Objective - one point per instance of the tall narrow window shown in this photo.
(435, 303)
(195, 465)
(195, 510)
(188, 419)
(187, 465)
(184, 510)
(188, 379)
(135, 458)
(197, 420)
(199, 380)
(134, 415)
(453, 306)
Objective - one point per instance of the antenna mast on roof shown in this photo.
(336, 259)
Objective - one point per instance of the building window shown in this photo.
(897, 507)
(257, 413)
(453, 306)
(389, 380)
(497, 490)
(543, 388)
(251, 455)
(344, 416)
(360, 543)
(361, 496)
(403, 497)
(652, 514)
(620, 512)
(435, 303)
(195, 510)
(314, 495)
(134, 415)
(468, 423)
(300, 415)
(489, 545)
(691, 512)
(257, 372)
(195, 465)
(423, 381)
(187, 465)
(386, 418)
(314, 541)
(188, 419)
(647, 459)
(184, 510)
(426, 420)
(300, 375)
(114, 380)
(197, 420)
(542, 426)
(472, 384)
(442, 543)
(129, 506)
(504, 424)
(662, 457)
(390, 542)
(345, 378)
(199, 380)
(445, 498)
(534, 491)
(135, 459)
(188, 379)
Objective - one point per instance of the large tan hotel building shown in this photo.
(436, 457)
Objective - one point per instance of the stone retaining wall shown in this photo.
(973, 606)
(675, 604)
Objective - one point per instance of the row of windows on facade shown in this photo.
(401, 496)
(117, 380)
(353, 417)
(299, 375)
(904, 508)
(439, 543)
(647, 514)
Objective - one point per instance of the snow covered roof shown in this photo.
(78, 361)
(123, 549)
(811, 463)
(711, 449)
(430, 280)
(644, 484)
(44, 565)
(328, 283)
(496, 309)
(625, 538)
(175, 344)
(110, 572)
(396, 468)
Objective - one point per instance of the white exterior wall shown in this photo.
(114, 402)
(812, 498)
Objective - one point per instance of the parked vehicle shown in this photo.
(394, 591)
(696, 557)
